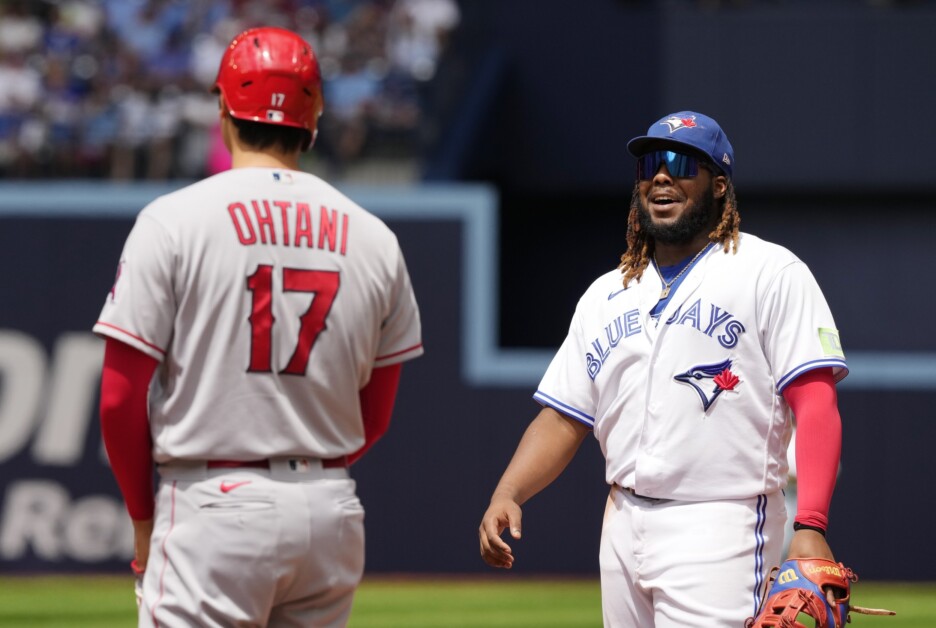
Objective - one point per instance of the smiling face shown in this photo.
(678, 210)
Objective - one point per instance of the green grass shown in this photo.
(445, 602)
(915, 604)
(463, 603)
(60, 601)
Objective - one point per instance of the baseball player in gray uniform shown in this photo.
(254, 341)
(688, 363)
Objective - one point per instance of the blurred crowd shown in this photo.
(121, 89)
(744, 4)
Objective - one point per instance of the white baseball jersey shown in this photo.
(690, 407)
(269, 297)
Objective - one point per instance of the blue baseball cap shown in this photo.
(687, 128)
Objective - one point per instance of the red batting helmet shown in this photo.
(271, 75)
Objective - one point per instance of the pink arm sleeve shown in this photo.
(125, 429)
(814, 402)
(377, 399)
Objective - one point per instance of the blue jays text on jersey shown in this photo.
(706, 318)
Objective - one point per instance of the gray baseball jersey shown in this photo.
(269, 297)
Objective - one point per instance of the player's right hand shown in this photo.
(503, 513)
(142, 535)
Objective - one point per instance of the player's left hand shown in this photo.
(809, 544)
(812, 544)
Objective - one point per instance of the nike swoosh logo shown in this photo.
(227, 487)
(614, 294)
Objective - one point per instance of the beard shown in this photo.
(699, 215)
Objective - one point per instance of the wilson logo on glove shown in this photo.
(787, 576)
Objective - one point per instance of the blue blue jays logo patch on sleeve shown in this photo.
(709, 380)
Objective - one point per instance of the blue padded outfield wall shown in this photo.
(463, 406)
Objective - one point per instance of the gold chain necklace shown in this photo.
(666, 286)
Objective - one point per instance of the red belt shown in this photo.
(327, 463)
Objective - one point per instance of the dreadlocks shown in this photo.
(640, 246)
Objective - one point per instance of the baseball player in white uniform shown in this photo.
(254, 340)
(686, 362)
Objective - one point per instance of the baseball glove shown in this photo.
(813, 587)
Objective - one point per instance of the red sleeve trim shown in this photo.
(134, 336)
(393, 355)
(125, 380)
(814, 402)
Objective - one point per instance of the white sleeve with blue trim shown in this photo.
(566, 386)
(798, 329)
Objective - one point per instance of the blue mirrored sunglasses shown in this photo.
(679, 165)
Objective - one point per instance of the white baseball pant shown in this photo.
(678, 564)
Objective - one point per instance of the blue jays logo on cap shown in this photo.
(675, 123)
(709, 380)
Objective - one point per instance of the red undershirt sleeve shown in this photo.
(814, 402)
(377, 399)
(125, 380)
